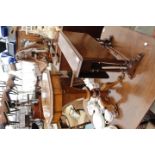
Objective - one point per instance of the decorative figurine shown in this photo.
(100, 107)
(101, 117)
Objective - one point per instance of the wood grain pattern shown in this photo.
(87, 46)
(137, 94)
(59, 94)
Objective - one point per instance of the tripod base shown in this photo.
(133, 64)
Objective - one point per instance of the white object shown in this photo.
(98, 121)
(99, 114)
(101, 104)
(111, 127)
(54, 126)
(74, 114)
(49, 66)
(46, 111)
(108, 116)
(145, 44)
(74, 118)
(71, 112)
(12, 117)
(93, 106)
(9, 127)
(44, 95)
(88, 83)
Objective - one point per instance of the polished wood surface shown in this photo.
(137, 94)
(59, 94)
(63, 94)
(57, 97)
(78, 48)
(87, 46)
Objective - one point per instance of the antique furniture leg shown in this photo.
(130, 64)
(133, 64)
(103, 93)
(109, 85)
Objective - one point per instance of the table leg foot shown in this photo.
(133, 64)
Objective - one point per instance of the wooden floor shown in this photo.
(136, 95)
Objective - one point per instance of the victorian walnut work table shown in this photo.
(58, 95)
(137, 92)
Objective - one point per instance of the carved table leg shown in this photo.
(133, 63)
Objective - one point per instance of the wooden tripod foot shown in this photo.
(133, 64)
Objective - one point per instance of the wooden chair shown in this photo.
(11, 84)
(6, 98)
